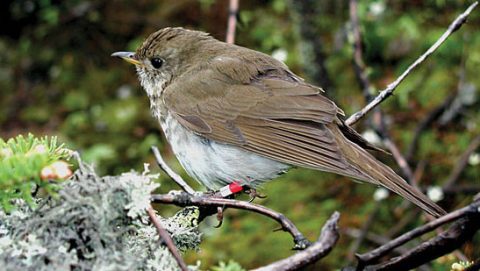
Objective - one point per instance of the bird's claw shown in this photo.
(219, 217)
(253, 193)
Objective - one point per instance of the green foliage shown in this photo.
(22, 160)
(230, 266)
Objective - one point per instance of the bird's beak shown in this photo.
(130, 57)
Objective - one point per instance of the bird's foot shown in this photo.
(219, 216)
(228, 191)
(253, 193)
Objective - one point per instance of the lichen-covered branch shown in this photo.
(185, 199)
(95, 223)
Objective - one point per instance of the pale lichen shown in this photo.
(96, 223)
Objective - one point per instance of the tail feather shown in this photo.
(389, 179)
(376, 172)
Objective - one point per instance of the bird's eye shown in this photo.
(156, 62)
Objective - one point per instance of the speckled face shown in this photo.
(164, 55)
(157, 69)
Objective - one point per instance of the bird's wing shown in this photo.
(269, 112)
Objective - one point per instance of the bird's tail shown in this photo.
(377, 173)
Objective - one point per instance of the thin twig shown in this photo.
(184, 199)
(404, 238)
(232, 21)
(175, 177)
(401, 224)
(467, 189)
(401, 161)
(454, 26)
(361, 73)
(462, 163)
(162, 232)
(425, 123)
(459, 233)
(376, 239)
(355, 245)
(358, 63)
(378, 119)
(305, 16)
(328, 238)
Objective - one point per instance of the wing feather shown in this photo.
(276, 115)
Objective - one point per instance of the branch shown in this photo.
(327, 240)
(232, 21)
(358, 64)
(376, 239)
(305, 15)
(183, 199)
(459, 233)
(162, 232)
(400, 160)
(377, 253)
(355, 245)
(175, 177)
(461, 164)
(384, 94)
(425, 123)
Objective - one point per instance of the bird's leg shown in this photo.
(229, 191)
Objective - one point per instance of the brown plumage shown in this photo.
(238, 97)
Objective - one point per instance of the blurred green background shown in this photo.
(57, 78)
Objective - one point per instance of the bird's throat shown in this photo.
(154, 88)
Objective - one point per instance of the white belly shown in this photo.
(215, 164)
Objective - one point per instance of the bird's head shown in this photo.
(167, 54)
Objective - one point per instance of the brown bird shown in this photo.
(232, 114)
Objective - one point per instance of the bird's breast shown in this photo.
(215, 164)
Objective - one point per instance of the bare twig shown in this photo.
(401, 224)
(305, 14)
(459, 233)
(401, 161)
(232, 21)
(462, 163)
(184, 199)
(376, 239)
(361, 73)
(455, 25)
(355, 245)
(175, 177)
(358, 63)
(162, 232)
(425, 123)
(328, 237)
(404, 238)
(467, 189)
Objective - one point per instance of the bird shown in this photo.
(236, 115)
